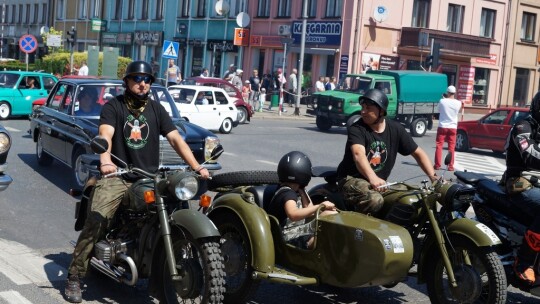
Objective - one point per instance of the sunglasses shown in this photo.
(139, 78)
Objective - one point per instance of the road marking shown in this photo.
(228, 153)
(12, 129)
(266, 162)
(23, 266)
(13, 297)
(478, 163)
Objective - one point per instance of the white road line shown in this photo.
(13, 297)
(12, 129)
(228, 153)
(23, 266)
(478, 163)
(267, 162)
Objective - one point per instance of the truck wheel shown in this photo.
(462, 142)
(419, 127)
(323, 123)
(242, 178)
(352, 120)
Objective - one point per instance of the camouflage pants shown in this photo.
(105, 200)
(359, 197)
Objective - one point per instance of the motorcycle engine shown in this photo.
(106, 250)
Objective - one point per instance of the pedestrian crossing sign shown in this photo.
(170, 49)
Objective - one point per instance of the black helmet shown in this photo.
(535, 107)
(139, 67)
(295, 167)
(377, 97)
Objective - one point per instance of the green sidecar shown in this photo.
(351, 249)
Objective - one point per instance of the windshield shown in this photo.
(182, 95)
(354, 84)
(89, 99)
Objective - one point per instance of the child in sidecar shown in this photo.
(291, 205)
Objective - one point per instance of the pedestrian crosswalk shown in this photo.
(489, 165)
(13, 297)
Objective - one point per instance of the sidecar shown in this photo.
(351, 249)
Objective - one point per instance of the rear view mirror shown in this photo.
(99, 145)
(447, 159)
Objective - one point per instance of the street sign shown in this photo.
(170, 49)
(54, 40)
(28, 44)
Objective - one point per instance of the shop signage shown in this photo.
(343, 66)
(98, 25)
(221, 45)
(268, 41)
(465, 83)
(491, 60)
(241, 36)
(117, 38)
(147, 38)
(318, 32)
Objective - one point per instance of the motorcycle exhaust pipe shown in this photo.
(117, 275)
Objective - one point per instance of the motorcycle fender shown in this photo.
(198, 225)
(257, 225)
(475, 231)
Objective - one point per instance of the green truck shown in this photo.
(413, 98)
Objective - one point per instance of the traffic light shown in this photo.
(72, 36)
(429, 61)
(436, 54)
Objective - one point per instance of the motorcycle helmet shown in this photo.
(534, 110)
(295, 167)
(139, 67)
(377, 97)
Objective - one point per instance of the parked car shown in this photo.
(217, 113)
(17, 92)
(490, 131)
(245, 110)
(5, 145)
(57, 127)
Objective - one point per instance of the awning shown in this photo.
(315, 51)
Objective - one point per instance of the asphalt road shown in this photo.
(36, 222)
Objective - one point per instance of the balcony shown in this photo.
(454, 44)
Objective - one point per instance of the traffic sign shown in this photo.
(28, 43)
(170, 49)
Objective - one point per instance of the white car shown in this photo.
(208, 107)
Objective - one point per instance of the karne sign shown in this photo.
(241, 36)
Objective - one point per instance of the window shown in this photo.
(95, 8)
(21, 8)
(521, 86)
(118, 10)
(36, 14)
(528, 24)
(311, 8)
(83, 9)
(43, 16)
(263, 8)
(284, 8)
(13, 13)
(454, 21)
(333, 8)
(159, 10)
(131, 9)
(144, 9)
(201, 8)
(420, 16)
(236, 7)
(5, 16)
(27, 14)
(183, 8)
(487, 23)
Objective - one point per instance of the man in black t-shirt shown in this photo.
(132, 124)
(373, 143)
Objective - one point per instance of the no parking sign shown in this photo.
(28, 44)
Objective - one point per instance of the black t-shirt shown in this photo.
(277, 204)
(136, 139)
(255, 82)
(381, 148)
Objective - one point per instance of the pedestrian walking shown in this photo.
(246, 91)
(262, 99)
(173, 74)
(255, 83)
(237, 79)
(446, 132)
(293, 87)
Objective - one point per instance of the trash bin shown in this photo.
(274, 99)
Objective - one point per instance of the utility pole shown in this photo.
(301, 65)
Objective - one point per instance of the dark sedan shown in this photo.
(490, 131)
(5, 145)
(63, 126)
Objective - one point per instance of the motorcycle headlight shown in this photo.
(5, 143)
(209, 144)
(184, 185)
(456, 197)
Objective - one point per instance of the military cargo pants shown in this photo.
(105, 199)
(359, 196)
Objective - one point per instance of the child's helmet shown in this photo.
(295, 167)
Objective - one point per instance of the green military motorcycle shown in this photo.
(455, 256)
(351, 249)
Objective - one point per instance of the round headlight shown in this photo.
(456, 197)
(185, 187)
(329, 108)
(5, 143)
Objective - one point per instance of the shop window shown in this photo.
(420, 17)
(480, 87)
(521, 86)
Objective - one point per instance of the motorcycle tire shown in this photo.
(484, 281)
(225, 181)
(202, 265)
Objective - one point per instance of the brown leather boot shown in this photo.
(73, 289)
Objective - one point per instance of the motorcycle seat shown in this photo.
(500, 201)
(263, 194)
(470, 178)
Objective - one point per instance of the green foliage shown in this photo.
(58, 63)
(51, 49)
(15, 65)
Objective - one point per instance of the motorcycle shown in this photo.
(154, 235)
(350, 249)
(493, 207)
(455, 256)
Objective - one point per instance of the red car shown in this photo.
(490, 131)
(245, 110)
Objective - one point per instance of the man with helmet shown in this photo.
(523, 154)
(291, 205)
(373, 143)
(132, 124)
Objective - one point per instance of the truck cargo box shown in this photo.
(416, 86)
